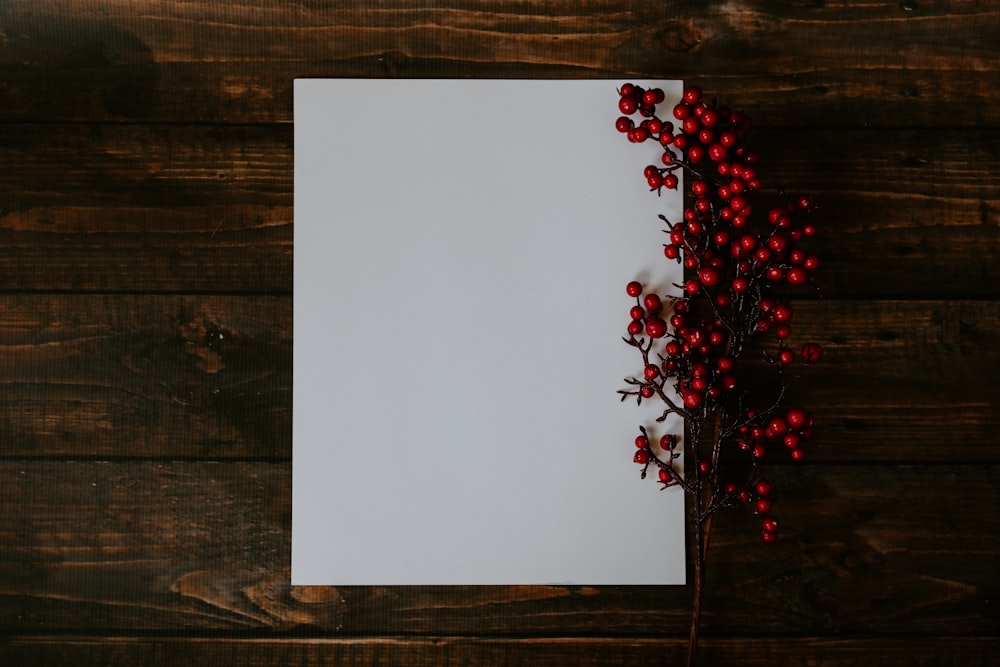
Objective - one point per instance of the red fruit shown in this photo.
(764, 505)
(797, 275)
(656, 327)
(769, 524)
(782, 312)
(647, 391)
(763, 488)
(798, 454)
(717, 152)
(668, 442)
(797, 417)
(637, 312)
(778, 426)
(768, 538)
(670, 181)
(692, 399)
(641, 441)
(709, 276)
(651, 371)
(624, 124)
(692, 287)
(634, 288)
(628, 105)
(682, 111)
(786, 357)
(664, 475)
(652, 303)
(692, 95)
(774, 274)
(695, 154)
(641, 456)
(811, 353)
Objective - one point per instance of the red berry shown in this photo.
(704, 467)
(769, 524)
(652, 303)
(637, 312)
(811, 353)
(786, 357)
(624, 124)
(641, 456)
(692, 94)
(768, 538)
(647, 391)
(668, 442)
(709, 276)
(670, 182)
(692, 287)
(782, 312)
(664, 475)
(635, 327)
(681, 111)
(763, 488)
(798, 454)
(796, 275)
(641, 441)
(797, 417)
(634, 288)
(764, 505)
(778, 426)
(656, 327)
(651, 371)
(628, 105)
(692, 399)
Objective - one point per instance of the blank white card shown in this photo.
(461, 254)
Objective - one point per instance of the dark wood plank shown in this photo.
(802, 63)
(171, 376)
(206, 208)
(52, 651)
(210, 377)
(197, 547)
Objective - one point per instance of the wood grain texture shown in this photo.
(801, 63)
(209, 208)
(204, 546)
(146, 377)
(146, 253)
(150, 376)
(57, 651)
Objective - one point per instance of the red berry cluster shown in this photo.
(734, 261)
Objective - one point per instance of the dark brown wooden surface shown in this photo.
(146, 332)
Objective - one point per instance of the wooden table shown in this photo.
(145, 322)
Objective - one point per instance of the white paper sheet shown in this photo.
(461, 254)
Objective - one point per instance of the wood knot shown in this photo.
(206, 342)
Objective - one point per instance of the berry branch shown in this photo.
(736, 262)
